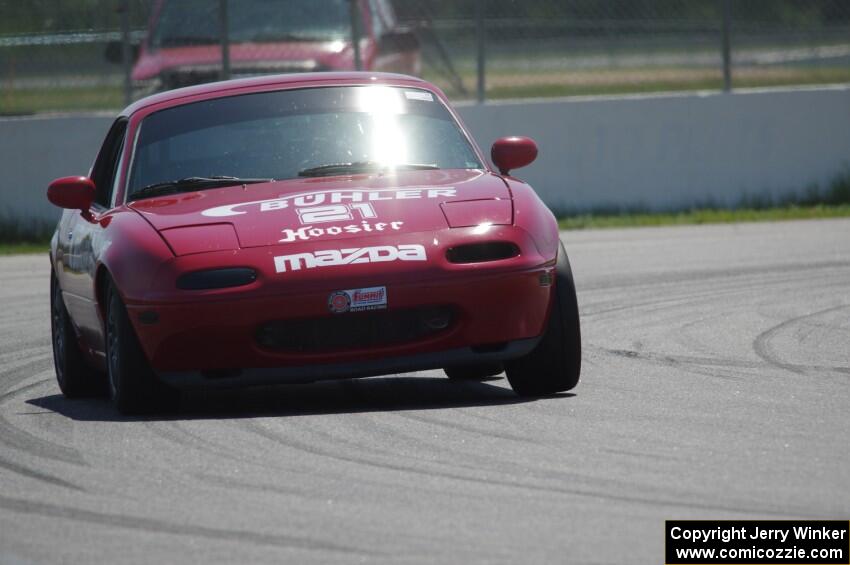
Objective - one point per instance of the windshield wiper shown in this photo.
(190, 183)
(361, 167)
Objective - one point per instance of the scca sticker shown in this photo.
(352, 256)
(339, 302)
(358, 300)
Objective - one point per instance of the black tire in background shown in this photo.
(473, 372)
(133, 386)
(555, 364)
(75, 377)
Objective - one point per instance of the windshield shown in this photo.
(194, 22)
(278, 134)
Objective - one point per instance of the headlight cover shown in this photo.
(201, 239)
(471, 213)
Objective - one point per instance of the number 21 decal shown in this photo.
(335, 213)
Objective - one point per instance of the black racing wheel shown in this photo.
(555, 364)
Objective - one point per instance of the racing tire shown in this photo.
(473, 372)
(74, 376)
(133, 386)
(555, 364)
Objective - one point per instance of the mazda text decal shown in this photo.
(352, 256)
(307, 232)
(338, 196)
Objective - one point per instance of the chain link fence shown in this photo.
(68, 55)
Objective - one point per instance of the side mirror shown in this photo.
(73, 193)
(510, 153)
(399, 40)
(114, 52)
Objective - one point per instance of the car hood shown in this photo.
(334, 207)
(246, 57)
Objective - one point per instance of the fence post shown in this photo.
(225, 39)
(355, 34)
(480, 38)
(727, 48)
(126, 52)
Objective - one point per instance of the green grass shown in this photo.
(701, 216)
(812, 203)
(23, 248)
(561, 90)
(33, 100)
(502, 84)
(24, 236)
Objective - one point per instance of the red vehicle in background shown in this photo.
(183, 45)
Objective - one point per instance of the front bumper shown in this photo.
(210, 337)
(367, 368)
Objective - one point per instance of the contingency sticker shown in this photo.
(419, 95)
(358, 299)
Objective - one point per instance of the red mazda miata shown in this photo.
(294, 228)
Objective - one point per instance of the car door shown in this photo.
(83, 235)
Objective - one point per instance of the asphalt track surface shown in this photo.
(715, 385)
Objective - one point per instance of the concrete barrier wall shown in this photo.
(663, 152)
(658, 152)
(34, 151)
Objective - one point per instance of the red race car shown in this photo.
(294, 228)
(183, 45)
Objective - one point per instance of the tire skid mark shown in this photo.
(328, 438)
(26, 352)
(438, 447)
(642, 455)
(330, 454)
(678, 278)
(761, 344)
(487, 432)
(688, 362)
(244, 485)
(417, 416)
(727, 288)
(685, 298)
(25, 471)
(698, 365)
(13, 367)
(480, 460)
(18, 468)
(231, 483)
(152, 525)
(20, 390)
(366, 446)
(362, 396)
(676, 360)
(746, 509)
(16, 437)
(175, 433)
